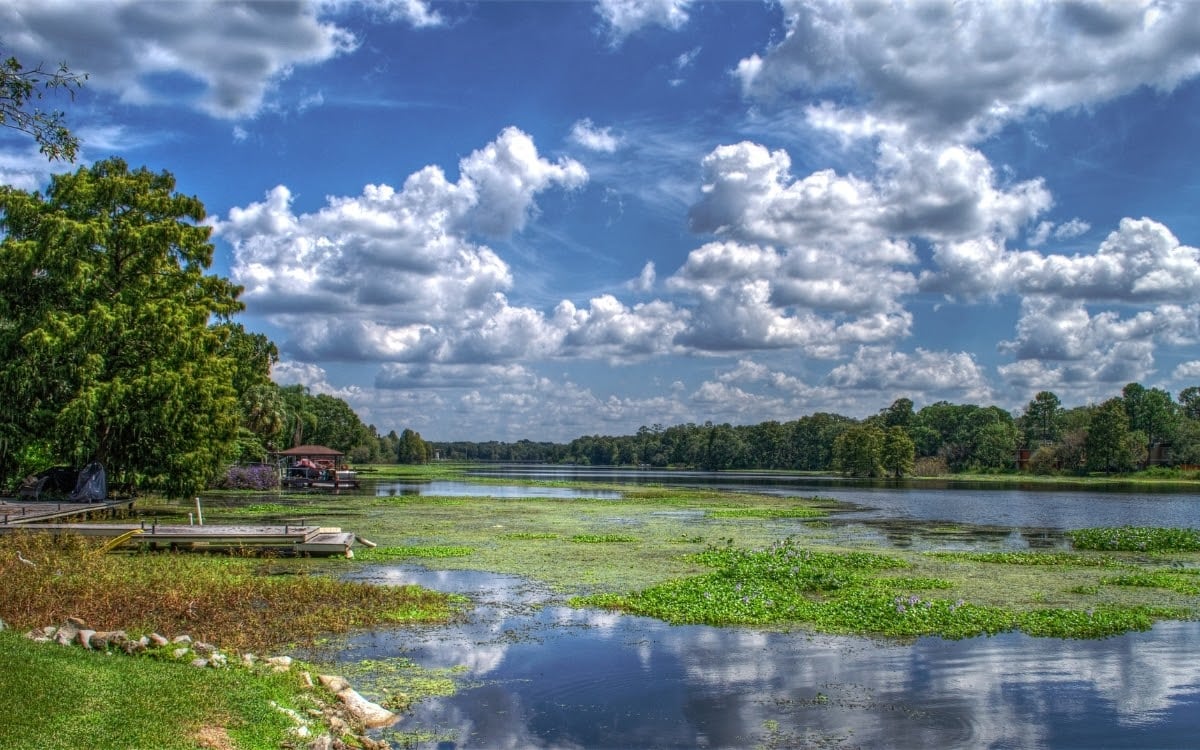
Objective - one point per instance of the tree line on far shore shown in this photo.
(1140, 428)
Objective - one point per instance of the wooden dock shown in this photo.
(285, 540)
(16, 513)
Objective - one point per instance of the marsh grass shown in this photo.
(227, 601)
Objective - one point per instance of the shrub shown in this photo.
(250, 477)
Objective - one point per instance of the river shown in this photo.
(542, 675)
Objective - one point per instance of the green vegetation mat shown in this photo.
(702, 556)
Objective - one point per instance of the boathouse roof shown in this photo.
(312, 451)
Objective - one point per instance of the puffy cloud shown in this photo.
(394, 274)
(845, 237)
(942, 192)
(1189, 370)
(1063, 337)
(1066, 231)
(523, 404)
(644, 282)
(624, 17)
(1140, 261)
(971, 269)
(612, 330)
(586, 134)
(750, 372)
(952, 192)
(932, 374)
(962, 69)
(405, 376)
(1122, 363)
(235, 50)
(503, 177)
(416, 13)
(313, 377)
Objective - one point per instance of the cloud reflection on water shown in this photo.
(549, 676)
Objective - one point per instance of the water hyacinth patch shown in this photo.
(765, 513)
(1136, 539)
(603, 538)
(850, 592)
(380, 554)
(1183, 581)
(1029, 558)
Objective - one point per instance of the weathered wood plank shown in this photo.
(313, 540)
(18, 513)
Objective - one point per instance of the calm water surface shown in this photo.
(548, 676)
(981, 503)
(450, 488)
(542, 675)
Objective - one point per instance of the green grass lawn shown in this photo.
(56, 697)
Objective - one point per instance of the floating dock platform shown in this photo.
(16, 513)
(316, 541)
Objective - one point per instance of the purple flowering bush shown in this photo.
(251, 477)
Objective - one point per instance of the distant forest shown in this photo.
(1142, 427)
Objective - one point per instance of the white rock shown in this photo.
(333, 683)
(370, 714)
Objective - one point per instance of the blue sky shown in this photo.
(503, 220)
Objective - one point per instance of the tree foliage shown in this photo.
(1109, 443)
(21, 89)
(106, 347)
(898, 453)
(412, 449)
(1042, 420)
(858, 451)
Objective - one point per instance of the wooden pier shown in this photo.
(16, 513)
(285, 540)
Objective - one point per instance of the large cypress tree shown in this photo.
(108, 348)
